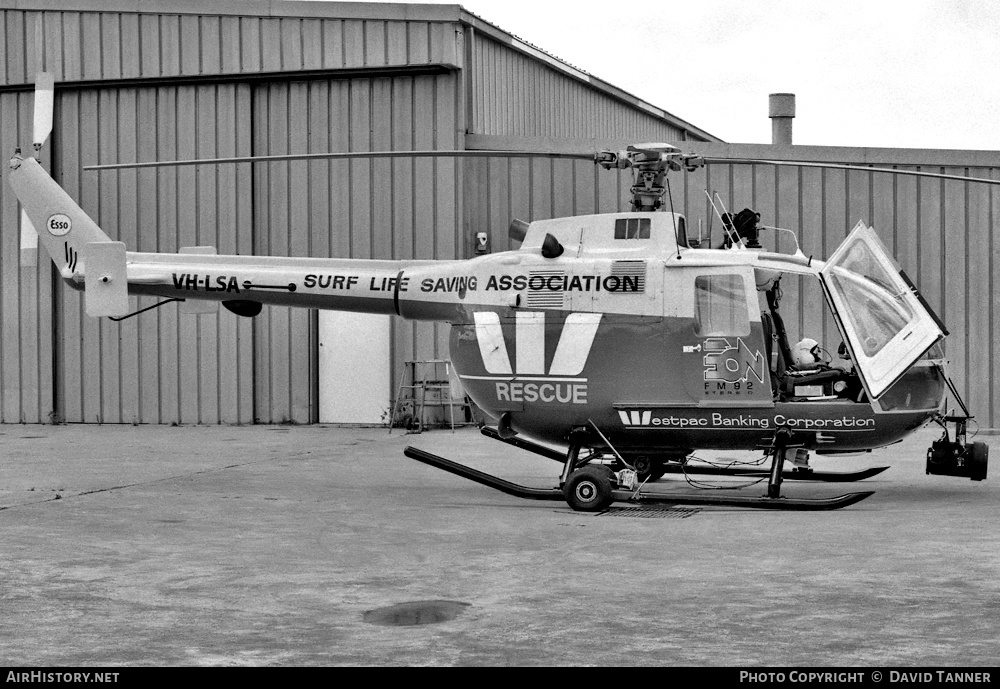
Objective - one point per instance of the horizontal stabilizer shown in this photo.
(106, 280)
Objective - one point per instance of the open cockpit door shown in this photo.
(887, 324)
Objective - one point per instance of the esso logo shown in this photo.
(59, 224)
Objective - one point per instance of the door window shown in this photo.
(720, 306)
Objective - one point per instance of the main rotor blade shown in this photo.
(853, 168)
(591, 157)
(358, 154)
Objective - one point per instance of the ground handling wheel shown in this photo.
(589, 489)
(979, 458)
(947, 458)
(647, 467)
(652, 468)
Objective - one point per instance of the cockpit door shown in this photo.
(886, 323)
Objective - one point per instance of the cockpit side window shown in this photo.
(720, 306)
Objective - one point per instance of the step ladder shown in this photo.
(429, 386)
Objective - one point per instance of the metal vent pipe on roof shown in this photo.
(781, 110)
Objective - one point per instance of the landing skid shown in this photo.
(673, 468)
(787, 475)
(642, 496)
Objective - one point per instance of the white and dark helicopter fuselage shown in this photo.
(603, 320)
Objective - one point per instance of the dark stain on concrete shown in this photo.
(416, 613)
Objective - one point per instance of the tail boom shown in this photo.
(366, 286)
(72, 239)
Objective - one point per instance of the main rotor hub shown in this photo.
(650, 164)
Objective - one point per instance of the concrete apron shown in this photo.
(290, 545)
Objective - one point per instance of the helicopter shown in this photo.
(621, 339)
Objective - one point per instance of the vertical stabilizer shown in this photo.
(63, 228)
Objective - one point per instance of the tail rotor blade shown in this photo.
(29, 242)
(44, 103)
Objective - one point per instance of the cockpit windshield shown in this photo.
(875, 315)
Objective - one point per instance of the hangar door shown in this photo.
(162, 366)
(171, 367)
(379, 209)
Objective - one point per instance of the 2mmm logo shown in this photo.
(572, 350)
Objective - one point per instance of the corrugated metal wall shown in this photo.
(26, 353)
(501, 189)
(113, 45)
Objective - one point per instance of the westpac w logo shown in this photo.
(635, 418)
(574, 345)
(531, 382)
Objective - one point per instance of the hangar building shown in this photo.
(169, 79)
(175, 79)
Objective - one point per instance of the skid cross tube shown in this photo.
(786, 475)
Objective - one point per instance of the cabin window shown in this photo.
(720, 306)
(632, 228)
(682, 234)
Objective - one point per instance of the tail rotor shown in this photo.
(44, 104)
